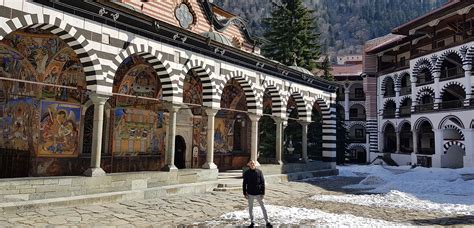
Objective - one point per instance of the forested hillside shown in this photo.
(344, 24)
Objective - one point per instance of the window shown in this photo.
(353, 112)
(359, 93)
(402, 61)
(359, 133)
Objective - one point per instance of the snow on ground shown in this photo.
(300, 216)
(427, 189)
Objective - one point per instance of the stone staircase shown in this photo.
(230, 180)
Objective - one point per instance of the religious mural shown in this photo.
(192, 91)
(267, 102)
(19, 122)
(138, 132)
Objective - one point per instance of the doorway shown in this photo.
(180, 152)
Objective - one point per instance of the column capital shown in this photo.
(98, 99)
(304, 123)
(467, 67)
(278, 119)
(172, 107)
(211, 111)
(254, 117)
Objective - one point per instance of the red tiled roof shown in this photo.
(347, 70)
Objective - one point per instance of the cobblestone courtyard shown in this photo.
(197, 210)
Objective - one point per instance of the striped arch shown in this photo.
(400, 125)
(249, 89)
(78, 43)
(386, 124)
(468, 60)
(451, 119)
(353, 123)
(447, 145)
(209, 88)
(441, 92)
(389, 100)
(155, 59)
(278, 108)
(454, 127)
(419, 121)
(403, 99)
(398, 79)
(442, 57)
(328, 111)
(384, 82)
(424, 91)
(355, 145)
(421, 64)
(303, 112)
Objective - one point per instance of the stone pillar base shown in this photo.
(170, 168)
(94, 172)
(210, 165)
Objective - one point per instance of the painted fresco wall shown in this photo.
(42, 121)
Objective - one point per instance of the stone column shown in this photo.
(437, 99)
(211, 113)
(414, 103)
(415, 141)
(439, 140)
(279, 141)
(346, 104)
(170, 147)
(254, 139)
(397, 102)
(397, 133)
(304, 127)
(99, 102)
(467, 84)
(381, 142)
(469, 147)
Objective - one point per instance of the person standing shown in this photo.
(254, 188)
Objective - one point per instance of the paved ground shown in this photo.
(194, 210)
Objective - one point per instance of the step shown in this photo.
(231, 185)
(227, 189)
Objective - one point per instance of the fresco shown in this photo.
(35, 55)
(19, 121)
(59, 129)
(192, 91)
(267, 102)
(138, 132)
(136, 77)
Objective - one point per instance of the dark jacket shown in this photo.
(254, 183)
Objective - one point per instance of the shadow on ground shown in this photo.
(455, 220)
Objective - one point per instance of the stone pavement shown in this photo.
(195, 210)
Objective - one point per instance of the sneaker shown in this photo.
(252, 224)
(269, 224)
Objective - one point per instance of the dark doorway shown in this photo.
(180, 152)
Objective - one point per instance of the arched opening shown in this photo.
(405, 107)
(389, 88)
(389, 109)
(406, 138)
(453, 97)
(293, 133)
(426, 103)
(357, 113)
(41, 122)
(138, 133)
(357, 154)
(405, 84)
(315, 133)
(451, 67)
(357, 134)
(180, 152)
(424, 77)
(267, 129)
(426, 138)
(357, 92)
(232, 130)
(453, 157)
(390, 139)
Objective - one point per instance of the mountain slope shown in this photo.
(344, 24)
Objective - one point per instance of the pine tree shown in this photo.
(326, 67)
(292, 34)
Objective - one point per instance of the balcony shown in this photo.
(405, 111)
(405, 90)
(451, 73)
(425, 82)
(456, 104)
(388, 113)
(424, 108)
(357, 118)
(389, 94)
(353, 139)
(357, 96)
